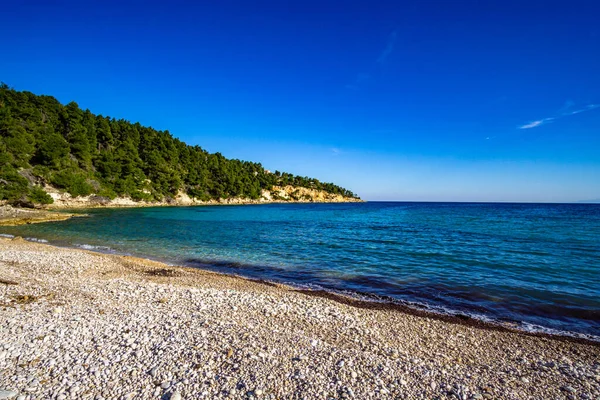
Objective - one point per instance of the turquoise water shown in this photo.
(537, 265)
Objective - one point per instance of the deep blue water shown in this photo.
(534, 264)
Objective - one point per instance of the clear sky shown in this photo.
(395, 100)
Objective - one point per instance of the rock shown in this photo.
(7, 394)
(165, 384)
(258, 392)
(176, 396)
(569, 389)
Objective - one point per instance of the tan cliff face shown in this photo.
(279, 194)
(305, 195)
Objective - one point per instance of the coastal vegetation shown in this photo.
(43, 142)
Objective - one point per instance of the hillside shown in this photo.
(73, 153)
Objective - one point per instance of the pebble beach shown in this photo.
(81, 325)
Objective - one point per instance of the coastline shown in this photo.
(13, 216)
(363, 300)
(221, 202)
(277, 195)
(310, 343)
(58, 211)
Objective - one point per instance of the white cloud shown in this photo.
(533, 124)
(588, 108)
(565, 113)
(388, 48)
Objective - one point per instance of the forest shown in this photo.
(45, 142)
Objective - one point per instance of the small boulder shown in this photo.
(7, 394)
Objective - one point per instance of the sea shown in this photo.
(534, 267)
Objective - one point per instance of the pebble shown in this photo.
(569, 389)
(139, 348)
(7, 394)
(165, 384)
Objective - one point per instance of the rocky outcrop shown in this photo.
(279, 194)
(17, 216)
(304, 195)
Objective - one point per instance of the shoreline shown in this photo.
(351, 298)
(14, 216)
(459, 319)
(249, 339)
(366, 301)
(276, 195)
(209, 203)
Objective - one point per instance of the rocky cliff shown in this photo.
(278, 194)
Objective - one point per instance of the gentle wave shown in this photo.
(102, 249)
(32, 239)
(443, 311)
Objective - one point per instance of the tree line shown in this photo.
(43, 141)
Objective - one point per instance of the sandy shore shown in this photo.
(82, 325)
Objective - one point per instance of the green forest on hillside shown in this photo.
(43, 141)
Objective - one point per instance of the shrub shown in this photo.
(75, 184)
(138, 195)
(38, 195)
(107, 192)
(12, 185)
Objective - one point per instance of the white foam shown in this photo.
(527, 327)
(32, 239)
(441, 310)
(6, 235)
(92, 247)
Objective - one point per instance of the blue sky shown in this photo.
(422, 100)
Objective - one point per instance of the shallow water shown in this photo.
(537, 265)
